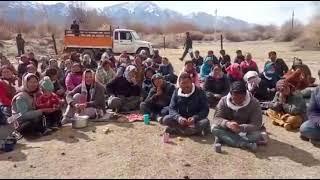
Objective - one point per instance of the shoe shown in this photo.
(315, 142)
(303, 138)
(159, 119)
(253, 147)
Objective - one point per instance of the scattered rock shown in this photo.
(180, 138)
(9, 157)
(187, 165)
(71, 137)
(94, 131)
(106, 131)
(186, 177)
(15, 166)
(31, 166)
(62, 154)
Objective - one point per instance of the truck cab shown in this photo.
(95, 42)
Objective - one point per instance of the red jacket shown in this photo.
(45, 101)
(5, 95)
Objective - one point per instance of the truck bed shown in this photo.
(88, 39)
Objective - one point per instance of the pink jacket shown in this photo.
(73, 80)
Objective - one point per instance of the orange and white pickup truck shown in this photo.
(95, 42)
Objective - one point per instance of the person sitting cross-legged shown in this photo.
(288, 107)
(236, 114)
(216, 85)
(188, 109)
(310, 130)
(158, 100)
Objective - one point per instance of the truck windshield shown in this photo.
(135, 35)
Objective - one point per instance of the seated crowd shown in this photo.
(238, 91)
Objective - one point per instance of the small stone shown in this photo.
(180, 138)
(63, 154)
(15, 166)
(187, 165)
(94, 131)
(31, 166)
(71, 137)
(9, 157)
(186, 177)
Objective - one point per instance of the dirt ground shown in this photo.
(135, 150)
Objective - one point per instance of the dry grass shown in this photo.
(310, 39)
(287, 33)
(136, 151)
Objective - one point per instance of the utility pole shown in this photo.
(215, 25)
(292, 20)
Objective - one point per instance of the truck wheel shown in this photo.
(146, 49)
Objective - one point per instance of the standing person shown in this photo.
(188, 109)
(280, 66)
(239, 58)
(187, 47)
(20, 44)
(248, 64)
(75, 28)
(224, 60)
(197, 60)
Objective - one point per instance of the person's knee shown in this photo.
(306, 128)
(216, 131)
(167, 120)
(114, 103)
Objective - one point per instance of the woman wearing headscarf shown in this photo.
(310, 130)
(125, 91)
(239, 113)
(105, 73)
(74, 78)
(53, 63)
(191, 70)
(166, 70)
(109, 56)
(270, 75)
(206, 67)
(216, 85)
(288, 107)
(88, 63)
(25, 116)
(249, 64)
(52, 73)
(147, 82)
(7, 91)
(257, 87)
(234, 72)
(86, 99)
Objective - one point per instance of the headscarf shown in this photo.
(25, 80)
(234, 71)
(216, 76)
(254, 80)
(127, 73)
(53, 63)
(84, 91)
(283, 83)
(86, 58)
(156, 76)
(269, 72)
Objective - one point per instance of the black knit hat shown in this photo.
(238, 87)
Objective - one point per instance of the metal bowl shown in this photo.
(80, 122)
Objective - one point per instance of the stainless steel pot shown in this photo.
(80, 122)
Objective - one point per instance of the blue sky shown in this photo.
(261, 12)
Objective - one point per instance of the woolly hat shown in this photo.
(46, 84)
(238, 87)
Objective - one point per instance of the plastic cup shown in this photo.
(146, 119)
(217, 147)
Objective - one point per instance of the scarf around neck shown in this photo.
(180, 93)
(234, 107)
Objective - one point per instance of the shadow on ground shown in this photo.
(277, 148)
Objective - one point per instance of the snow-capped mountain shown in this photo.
(143, 12)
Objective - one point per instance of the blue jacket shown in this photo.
(195, 106)
(314, 107)
(206, 68)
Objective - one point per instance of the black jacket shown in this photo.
(217, 86)
(164, 99)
